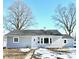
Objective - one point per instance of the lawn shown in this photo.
(17, 54)
(14, 54)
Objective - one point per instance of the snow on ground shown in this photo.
(46, 54)
(25, 49)
(42, 51)
(63, 56)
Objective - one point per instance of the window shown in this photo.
(34, 39)
(50, 40)
(38, 40)
(46, 40)
(15, 40)
(64, 41)
(41, 40)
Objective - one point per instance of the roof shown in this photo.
(66, 36)
(35, 32)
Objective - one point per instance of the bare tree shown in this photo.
(66, 18)
(19, 16)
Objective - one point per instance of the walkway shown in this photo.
(29, 55)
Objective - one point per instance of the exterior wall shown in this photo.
(24, 41)
(70, 43)
(56, 42)
(4, 41)
(32, 41)
(74, 43)
(59, 43)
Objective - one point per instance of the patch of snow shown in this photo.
(72, 55)
(63, 56)
(72, 49)
(47, 54)
(42, 51)
(25, 49)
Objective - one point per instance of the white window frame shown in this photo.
(41, 40)
(14, 41)
(50, 40)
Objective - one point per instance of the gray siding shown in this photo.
(23, 42)
(69, 43)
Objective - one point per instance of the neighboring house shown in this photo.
(37, 39)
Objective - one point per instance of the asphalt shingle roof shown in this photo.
(35, 32)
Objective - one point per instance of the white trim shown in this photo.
(15, 37)
(49, 40)
(43, 40)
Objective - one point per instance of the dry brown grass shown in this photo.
(17, 54)
(59, 49)
(13, 54)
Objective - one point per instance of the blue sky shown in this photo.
(42, 10)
